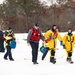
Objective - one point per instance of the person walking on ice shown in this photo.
(33, 39)
(2, 39)
(51, 38)
(68, 41)
(9, 37)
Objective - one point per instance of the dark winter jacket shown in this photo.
(2, 49)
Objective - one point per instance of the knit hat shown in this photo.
(9, 28)
(36, 24)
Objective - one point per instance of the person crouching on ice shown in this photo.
(68, 41)
(51, 38)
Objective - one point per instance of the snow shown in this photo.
(23, 65)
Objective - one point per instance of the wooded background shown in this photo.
(21, 15)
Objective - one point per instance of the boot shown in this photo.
(35, 63)
(69, 60)
(44, 55)
(52, 60)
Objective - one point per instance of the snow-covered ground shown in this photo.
(23, 65)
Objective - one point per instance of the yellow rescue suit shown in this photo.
(52, 40)
(68, 41)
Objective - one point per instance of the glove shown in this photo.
(47, 40)
(61, 44)
(64, 47)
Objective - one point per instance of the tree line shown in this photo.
(21, 15)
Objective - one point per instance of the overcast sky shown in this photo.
(48, 2)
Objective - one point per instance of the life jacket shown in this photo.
(7, 32)
(35, 35)
(1, 35)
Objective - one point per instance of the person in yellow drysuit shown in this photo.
(51, 38)
(68, 41)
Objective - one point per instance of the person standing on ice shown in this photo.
(9, 36)
(68, 41)
(51, 38)
(33, 39)
(2, 39)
